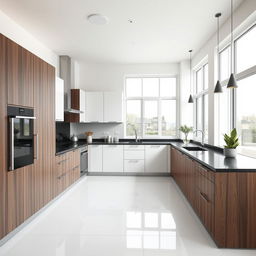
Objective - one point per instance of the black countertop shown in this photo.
(212, 158)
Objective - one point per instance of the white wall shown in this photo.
(244, 15)
(110, 77)
(16, 33)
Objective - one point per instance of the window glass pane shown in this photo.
(246, 51)
(151, 117)
(206, 117)
(199, 80)
(151, 87)
(133, 117)
(133, 87)
(246, 115)
(206, 76)
(199, 125)
(168, 118)
(225, 64)
(168, 87)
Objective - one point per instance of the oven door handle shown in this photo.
(36, 147)
(24, 117)
(11, 159)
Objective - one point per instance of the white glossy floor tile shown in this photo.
(117, 216)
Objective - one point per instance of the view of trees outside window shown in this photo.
(151, 106)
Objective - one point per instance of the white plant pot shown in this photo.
(89, 139)
(230, 152)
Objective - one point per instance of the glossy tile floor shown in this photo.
(117, 216)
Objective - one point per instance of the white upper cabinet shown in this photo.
(59, 99)
(156, 159)
(103, 107)
(94, 107)
(82, 106)
(113, 107)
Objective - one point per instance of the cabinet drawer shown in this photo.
(134, 165)
(134, 147)
(206, 173)
(205, 187)
(134, 154)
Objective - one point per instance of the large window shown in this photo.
(237, 108)
(201, 100)
(151, 106)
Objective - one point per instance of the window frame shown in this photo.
(159, 99)
(204, 92)
(232, 93)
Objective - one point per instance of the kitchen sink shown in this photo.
(195, 148)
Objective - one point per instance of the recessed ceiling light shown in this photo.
(97, 19)
(131, 21)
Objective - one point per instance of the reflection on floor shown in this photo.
(117, 216)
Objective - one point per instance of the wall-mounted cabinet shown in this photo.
(104, 107)
(59, 99)
(78, 102)
(94, 107)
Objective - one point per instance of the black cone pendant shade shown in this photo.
(232, 82)
(190, 100)
(218, 88)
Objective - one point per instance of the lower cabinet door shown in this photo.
(134, 165)
(156, 159)
(95, 158)
(113, 157)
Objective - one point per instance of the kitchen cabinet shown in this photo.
(224, 201)
(95, 161)
(113, 157)
(134, 165)
(78, 100)
(113, 107)
(67, 170)
(59, 99)
(19, 70)
(156, 159)
(3, 136)
(134, 158)
(94, 107)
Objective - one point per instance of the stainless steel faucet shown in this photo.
(135, 132)
(202, 142)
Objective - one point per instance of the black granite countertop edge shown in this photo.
(210, 149)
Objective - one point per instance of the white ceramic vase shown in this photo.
(230, 152)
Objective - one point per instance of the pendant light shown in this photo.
(218, 88)
(232, 80)
(190, 100)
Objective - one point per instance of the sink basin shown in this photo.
(195, 148)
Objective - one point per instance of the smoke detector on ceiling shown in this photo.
(97, 19)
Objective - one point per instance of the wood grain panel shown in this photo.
(19, 75)
(3, 135)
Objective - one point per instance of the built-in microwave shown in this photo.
(21, 137)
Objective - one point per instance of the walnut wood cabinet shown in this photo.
(67, 170)
(26, 80)
(3, 136)
(224, 201)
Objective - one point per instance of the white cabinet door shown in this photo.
(156, 158)
(82, 106)
(95, 158)
(113, 107)
(133, 165)
(94, 106)
(113, 158)
(59, 99)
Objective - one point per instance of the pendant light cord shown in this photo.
(190, 65)
(218, 45)
(232, 38)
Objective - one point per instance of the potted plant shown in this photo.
(231, 144)
(186, 130)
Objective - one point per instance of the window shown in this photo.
(201, 100)
(246, 50)
(237, 108)
(246, 115)
(151, 106)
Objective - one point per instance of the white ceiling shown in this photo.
(163, 31)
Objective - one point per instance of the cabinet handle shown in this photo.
(36, 155)
(155, 146)
(204, 197)
(133, 161)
